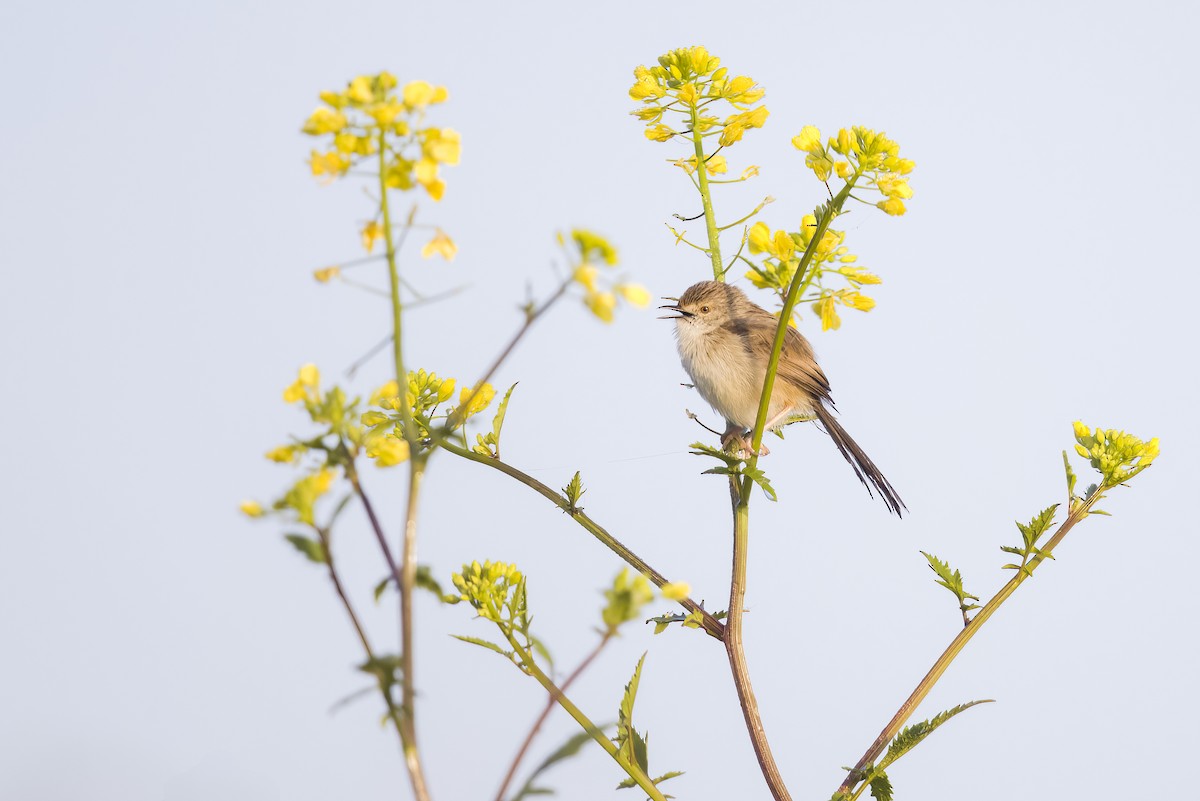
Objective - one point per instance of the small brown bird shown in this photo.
(725, 342)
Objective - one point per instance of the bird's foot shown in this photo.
(741, 439)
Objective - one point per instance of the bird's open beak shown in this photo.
(674, 308)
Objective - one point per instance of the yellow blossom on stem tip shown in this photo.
(326, 274)
(441, 245)
(585, 275)
(808, 140)
(478, 400)
(389, 390)
(307, 380)
(371, 233)
(634, 294)
(252, 509)
(282, 454)
(676, 590)
(893, 206)
(388, 450)
(602, 304)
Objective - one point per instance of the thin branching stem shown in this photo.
(710, 624)
(1077, 513)
(393, 712)
(531, 316)
(541, 719)
(635, 772)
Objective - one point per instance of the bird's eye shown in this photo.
(704, 310)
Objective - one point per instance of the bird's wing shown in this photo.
(797, 364)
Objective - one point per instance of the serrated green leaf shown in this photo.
(671, 774)
(760, 478)
(625, 711)
(573, 492)
(1071, 477)
(911, 736)
(313, 549)
(881, 787)
(700, 449)
(491, 646)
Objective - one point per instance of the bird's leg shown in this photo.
(735, 432)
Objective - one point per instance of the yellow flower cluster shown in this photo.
(368, 115)
(589, 249)
(864, 153)
(687, 81)
(1117, 455)
(490, 589)
(384, 435)
(781, 258)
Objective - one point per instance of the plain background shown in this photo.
(158, 230)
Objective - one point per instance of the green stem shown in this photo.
(408, 580)
(397, 305)
(737, 655)
(1079, 512)
(710, 219)
(711, 625)
(408, 557)
(537, 724)
(635, 772)
(789, 304)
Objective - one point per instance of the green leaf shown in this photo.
(491, 646)
(498, 420)
(573, 492)
(911, 736)
(700, 449)
(1071, 477)
(311, 548)
(625, 712)
(671, 774)
(881, 787)
(760, 478)
(541, 650)
(381, 587)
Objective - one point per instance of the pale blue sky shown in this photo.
(159, 229)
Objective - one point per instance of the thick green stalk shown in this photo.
(710, 218)
(740, 496)
(789, 304)
(737, 654)
(956, 646)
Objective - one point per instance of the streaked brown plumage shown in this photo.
(725, 342)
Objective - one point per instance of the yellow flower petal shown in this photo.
(440, 245)
(252, 509)
(634, 294)
(676, 590)
(808, 140)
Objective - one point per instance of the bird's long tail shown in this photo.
(864, 468)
